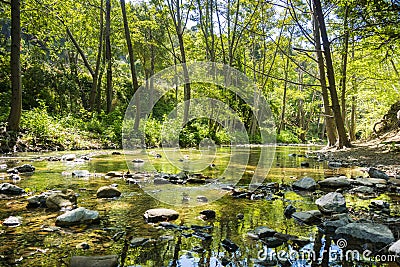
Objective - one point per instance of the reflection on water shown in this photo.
(37, 242)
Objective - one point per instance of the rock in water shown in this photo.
(306, 183)
(332, 203)
(158, 215)
(229, 245)
(395, 248)
(334, 164)
(305, 164)
(264, 231)
(308, 217)
(289, 210)
(12, 221)
(108, 192)
(10, 189)
(80, 173)
(25, 168)
(77, 216)
(94, 261)
(335, 182)
(64, 200)
(375, 173)
(208, 214)
(366, 232)
(363, 190)
(68, 157)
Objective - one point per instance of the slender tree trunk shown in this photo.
(100, 78)
(132, 64)
(344, 64)
(108, 56)
(282, 122)
(352, 127)
(343, 140)
(14, 117)
(329, 125)
(93, 92)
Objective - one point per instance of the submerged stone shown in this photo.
(264, 231)
(306, 183)
(77, 216)
(25, 168)
(94, 261)
(108, 192)
(10, 189)
(80, 173)
(61, 200)
(308, 217)
(332, 203)
(366, 232)
(335, 182)
(161, 214)
(375, 173)
(12, 221)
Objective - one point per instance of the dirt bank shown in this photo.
(383, 152)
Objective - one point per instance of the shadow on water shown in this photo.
(191, 242)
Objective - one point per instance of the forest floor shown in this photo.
(382, 152)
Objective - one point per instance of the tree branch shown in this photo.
(5, 2)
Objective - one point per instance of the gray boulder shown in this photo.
(77, 216)
(39, 200)
(306, 183)
(61, 200)
(68, 157)
(264, 231)
(80, 173)
(289, 210)
(366, 233)
(395, 248)
(10, 189)
(375, 173)
(376, 181)
(332, 203)
(12, 221)
(94, 261)
(161, 214)
(108, 192)
(25, 168)
(335, 182)
(308, 217)
(361, 182)
(363, 190)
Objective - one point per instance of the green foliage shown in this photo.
(287, 137)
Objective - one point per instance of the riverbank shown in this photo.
(383, 152)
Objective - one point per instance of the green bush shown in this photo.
(287, 137)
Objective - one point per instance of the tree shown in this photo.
(180, 18)
(14, 117)
(343, 140)
(329, 121)
(132, 63)
(109, 89)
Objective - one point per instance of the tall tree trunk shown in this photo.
(344, 63)
(93, 92)
(329, 125)
(282, 122)
(14, 117)
(352, 128)
(343, 140)
(132, 64)
(108, 56)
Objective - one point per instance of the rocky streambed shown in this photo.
(88, 209)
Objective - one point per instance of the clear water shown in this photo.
(32, 245)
